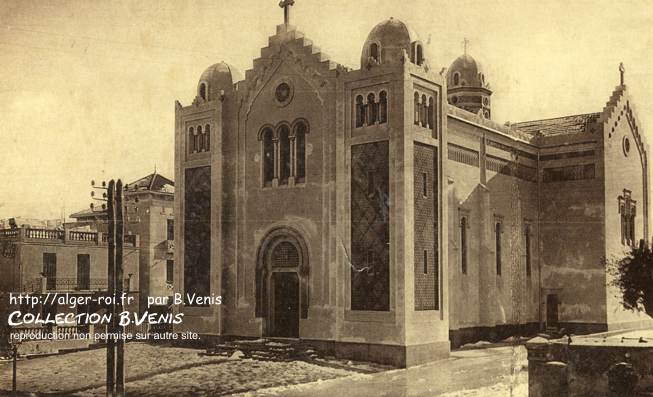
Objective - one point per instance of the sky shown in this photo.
(87, 88)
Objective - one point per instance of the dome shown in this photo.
(386, 43)
(216, 78)
(465, 72)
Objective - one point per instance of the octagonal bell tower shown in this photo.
(467, 86)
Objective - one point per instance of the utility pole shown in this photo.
(14, 357)
(120, 343)
(111, 288)
(115, 382)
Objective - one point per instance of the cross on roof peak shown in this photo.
(286, 4)
(465, 44)
(622, 72)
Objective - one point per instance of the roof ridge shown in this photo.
(555, 118)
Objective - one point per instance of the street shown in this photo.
(173, 371)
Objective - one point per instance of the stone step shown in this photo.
(264, 349)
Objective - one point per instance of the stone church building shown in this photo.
(380, 214)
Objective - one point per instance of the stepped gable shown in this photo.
(291, 46)
(620, 108)
(478, 119)
(576, 124)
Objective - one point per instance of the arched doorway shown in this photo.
(282, 282)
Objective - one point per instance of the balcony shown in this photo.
(41, 285)
(65, 236)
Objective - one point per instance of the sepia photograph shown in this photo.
(326, 198)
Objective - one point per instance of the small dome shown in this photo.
(216, 78)
(387, 40)
(465, 72)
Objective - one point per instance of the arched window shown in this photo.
(268, 157)
(431, 114)
(463, 244)
(371, 109)
(424, 111)
(360, 112)
(420, 56)
(383, 107)
(207, 137)
(456, 78)
(284, 154)
(417, 107)
(200, 139)
(374, 52)
(285, 255)
(300, 143)
(203, 91)
(191, 140)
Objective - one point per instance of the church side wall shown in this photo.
(572, 239)
(513, 296)
(483, 303)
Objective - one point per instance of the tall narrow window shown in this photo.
(371, 109)
(628, 211)
(425, 191)
(207, 137)
(426, 262)
(383, 107)
(430, 115)
(268, 157)
(420, 55)
(463, 244)
(170, 267)
(417, 108)
(497, 243)
(374, 52)
(83, 272)
(200, 139)
(300, 142)
(632, 229)
(456, 78)
(360, 111)
(50, 270)
(623, 223)
(284, 155)
(203, 91)
(424, 111)
(191, 140)
(170, 229)
(527, 248)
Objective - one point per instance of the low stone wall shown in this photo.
(597, 366)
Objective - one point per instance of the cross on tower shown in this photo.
(286, 4)
(622, 71)
(465, 43)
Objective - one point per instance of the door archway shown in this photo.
(282, 270)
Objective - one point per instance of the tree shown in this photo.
(633, 276)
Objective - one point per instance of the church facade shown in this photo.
(380, 214)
